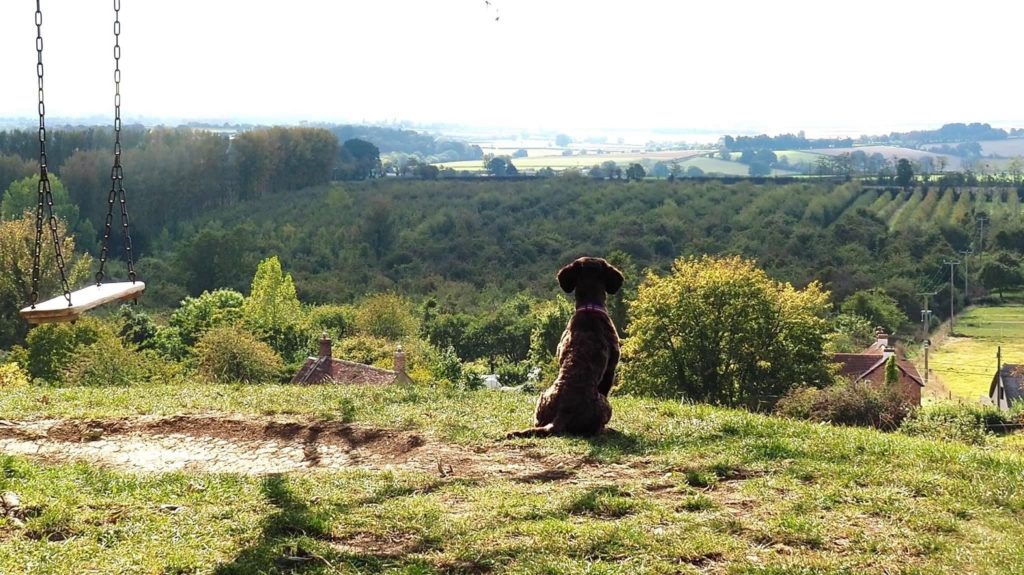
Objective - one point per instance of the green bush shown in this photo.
(447, 368)
(337, 320)
(849, 334)
(211, 309)
(511, 374)
(365, 349)
(292, 342)
(472, 377)
(51, 347)
(111, 364)
(955, 422)
(229, 354)
(169, 344)
(388, 316)
(847, 403)
(137, 329)
(420, 356)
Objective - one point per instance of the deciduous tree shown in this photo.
(17, 244)
(877, 307)
(720, 330)
(22, 196)
(635, 172)
(904, 173)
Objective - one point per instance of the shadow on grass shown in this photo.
(614, 444)
(297, 539)
(278, 549)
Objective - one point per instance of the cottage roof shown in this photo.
(858, 366)
(318, 369)
(854, 365)
(1013, 381)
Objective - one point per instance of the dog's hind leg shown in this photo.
(540, 431)
(605, 386)
(554, 428)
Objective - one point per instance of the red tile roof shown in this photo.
(858, 366)
(323, 369)
(854, 365)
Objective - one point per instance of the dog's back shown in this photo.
(588, 353)
(585, 353)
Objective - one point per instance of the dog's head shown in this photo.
(590, 278)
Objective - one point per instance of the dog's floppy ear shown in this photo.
(568, 275)
(612, 278)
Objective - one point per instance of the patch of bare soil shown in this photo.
(218, 443)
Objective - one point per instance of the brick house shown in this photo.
(326, 369)
(869, 366)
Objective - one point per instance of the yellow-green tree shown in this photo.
(17, 243)
(720, 330)
(272, 299)
(273, 312)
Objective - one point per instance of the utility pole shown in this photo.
(926, 315)
(927, 344)
(952, 294)
(982, 219)
(966, 253)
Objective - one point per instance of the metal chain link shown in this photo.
(45, 195)
(117, 191)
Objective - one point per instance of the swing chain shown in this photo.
(45, 195)
(117, 191)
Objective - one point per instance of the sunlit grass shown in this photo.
(678, 489)
(966, 364)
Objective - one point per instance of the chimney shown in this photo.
(881, 338)
(399, 359)
(887, 352)
(325, 346)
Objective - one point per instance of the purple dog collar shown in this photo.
(594, 307)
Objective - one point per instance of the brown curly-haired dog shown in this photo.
(577, 403)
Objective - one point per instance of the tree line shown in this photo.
(174, 175)
(470, 244)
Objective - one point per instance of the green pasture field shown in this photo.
(966, 362)
(677, 488)
(725, 167)
(794, 156)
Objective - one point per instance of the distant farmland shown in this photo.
(546, 156)
(889, 152)
(1006, 148)
(582, 161)
(725, 167)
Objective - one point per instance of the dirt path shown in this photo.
(219, 444)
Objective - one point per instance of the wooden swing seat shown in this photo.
(57, 310)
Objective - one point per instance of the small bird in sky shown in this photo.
(489, 5)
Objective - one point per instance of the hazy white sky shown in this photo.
(823, 66)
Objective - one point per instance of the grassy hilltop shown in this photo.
(676, 489)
